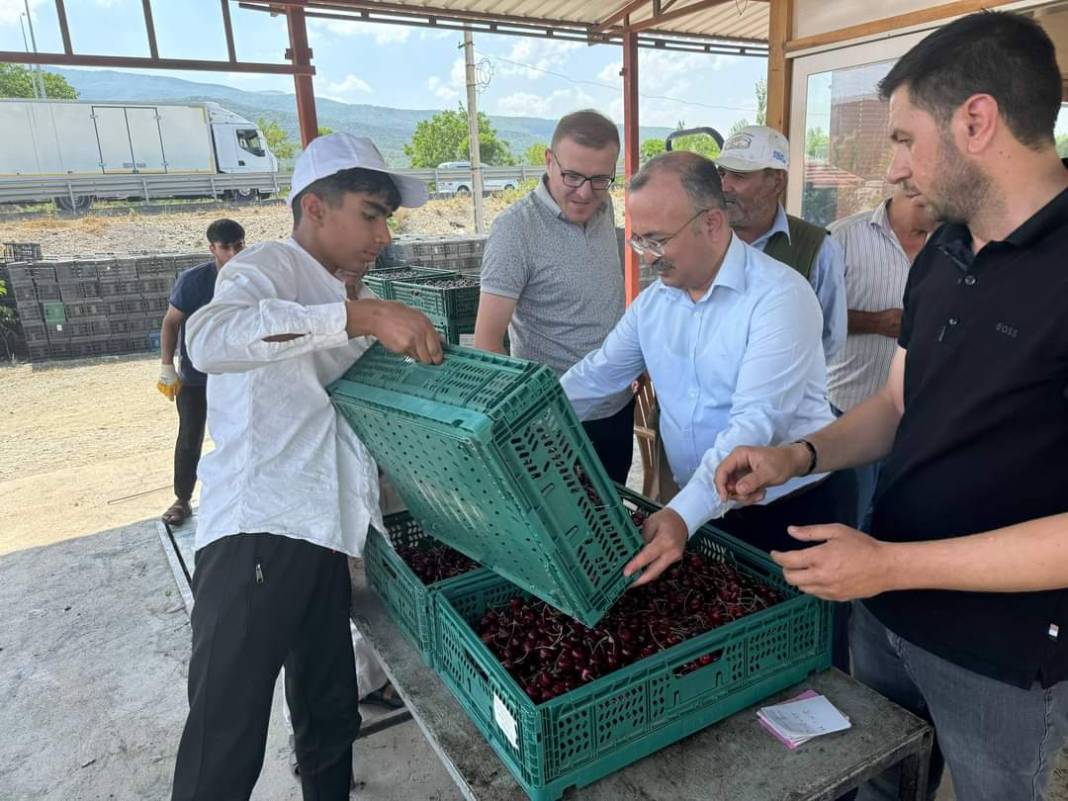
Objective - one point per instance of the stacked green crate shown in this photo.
(381, 281)
(451, 302)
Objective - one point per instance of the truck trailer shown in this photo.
(73, 152)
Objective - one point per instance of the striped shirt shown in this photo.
(876, 270)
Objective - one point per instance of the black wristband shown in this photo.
(812, 453)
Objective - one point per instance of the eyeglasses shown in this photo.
(573, 180)
(655, 247)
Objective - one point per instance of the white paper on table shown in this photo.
(804, 719)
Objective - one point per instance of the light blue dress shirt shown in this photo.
(741, 366)
(828, 279)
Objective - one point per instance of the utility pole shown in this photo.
(472, 127)
(26, 47)
(39, 85)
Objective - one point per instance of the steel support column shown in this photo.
(300, 54)
(630, 147)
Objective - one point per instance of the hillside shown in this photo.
(391, 128)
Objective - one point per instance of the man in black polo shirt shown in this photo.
(965, 576)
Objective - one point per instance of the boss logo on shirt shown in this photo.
(1007, 330)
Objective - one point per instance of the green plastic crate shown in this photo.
(405, 596)
(598, 728)
(439, 302)
(487, 453)
(381, 281)
(451, 330)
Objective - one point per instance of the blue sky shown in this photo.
(408, 67)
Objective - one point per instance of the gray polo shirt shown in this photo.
(566, 280)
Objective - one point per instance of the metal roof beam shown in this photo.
(666, 16)
(559, 29)
(79, 60)
(621, 15)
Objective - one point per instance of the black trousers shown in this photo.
(192, 404)
(263, 601)
(613, 439)
(833, 500)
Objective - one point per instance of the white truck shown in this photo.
(73, 151)
(454, 178)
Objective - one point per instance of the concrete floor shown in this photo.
(94, 649)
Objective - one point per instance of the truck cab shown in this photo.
(239, 144)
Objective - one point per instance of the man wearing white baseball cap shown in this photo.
(289, 491)
(752, 166)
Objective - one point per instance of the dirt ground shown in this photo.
(84, 446)
(184, 231)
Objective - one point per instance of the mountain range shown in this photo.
(390, 128)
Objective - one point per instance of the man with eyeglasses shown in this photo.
(731, 340)
(752, 167)
(552, 273)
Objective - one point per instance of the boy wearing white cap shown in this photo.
(752, 166)
(289, 490)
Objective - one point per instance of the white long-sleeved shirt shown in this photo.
(284, 461)
(743, 365)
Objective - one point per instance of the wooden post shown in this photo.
(300, 54)
(780, 69)
(632, 272)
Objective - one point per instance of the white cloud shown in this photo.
(533, 56)
(382, 33)
(442, 90)
(344, 90)
(11, 10)
(610, 73)
(443, 34)
(553, 105)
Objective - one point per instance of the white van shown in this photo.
(458, 179)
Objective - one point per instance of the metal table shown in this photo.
(733, 760)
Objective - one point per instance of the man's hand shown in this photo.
(665, 534)
(168, 383)
(747, 472)
(890, 323)
(849, 564)
(399, 328)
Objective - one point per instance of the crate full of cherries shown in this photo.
(563, 704)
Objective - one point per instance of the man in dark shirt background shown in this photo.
(965, 576)
(187, 386)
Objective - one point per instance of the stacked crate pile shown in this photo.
(461, 254)
(94, 306)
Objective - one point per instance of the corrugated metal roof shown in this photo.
(745, 20)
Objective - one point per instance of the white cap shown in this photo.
(330, 154)
(755, 147)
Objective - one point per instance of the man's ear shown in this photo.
(312, 207)
(976, 120)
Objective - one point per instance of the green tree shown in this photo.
(277, 139)
(702, 144)
(444, 137)
(817, 143)
(650, 149)
(738, 125)
(535, 154)
(17, 81)
(325, 131)
(762, 102)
